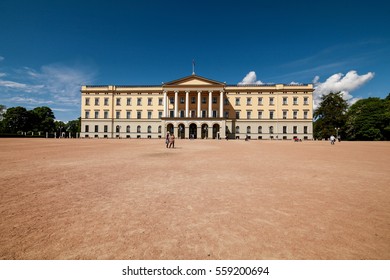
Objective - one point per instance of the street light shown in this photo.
(337, 132)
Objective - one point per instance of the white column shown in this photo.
(198, 113)
(210, 104)
(187, 103)
(221, 105)
(165, 104)
(176, 103)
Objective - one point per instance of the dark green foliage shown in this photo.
(329, 116)
(369, 119)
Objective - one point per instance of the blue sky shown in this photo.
(48, 49)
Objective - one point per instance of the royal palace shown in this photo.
(197, 107)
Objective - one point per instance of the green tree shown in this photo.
(73, 127)
(42, 119)
(16, 119)
(369, 119)
(330, 116)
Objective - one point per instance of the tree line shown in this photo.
(38, 121)
(367, 119)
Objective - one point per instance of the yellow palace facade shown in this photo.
(197, 107)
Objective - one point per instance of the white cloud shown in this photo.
(340, 83)
(58, 84)
(29, 100)
(1, 58)
(250, 79)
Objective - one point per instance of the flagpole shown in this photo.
(193, 67)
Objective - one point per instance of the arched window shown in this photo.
(159, 129)
(260, 130)
(248, 130)
(237, 129)
(118, 128)
(128, 129)
(271, 130)
(139, 129)
(149, 129)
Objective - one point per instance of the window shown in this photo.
(248, 130)
(260, 101)
(226, 114)
(87, 128)
(128, 114)
(159, 129)
(305, 101)
(87, 114)
(149, 129)
(226, 102)
(149, 101)
(106, 114)
(96, 128)
(172, 100)
(284, 114)
(204, 114)
(139, 129)
(149, 114)
(260, 130)
(203, 100)
(118, 114)
(284, 129)
(96, 101)
(237, 114)
(305, 114)
(160, 114)
(305, 129)
(271, 115)
(295, 129)
(128, 129)
(295, 100)
(237, 129)
(271, 130)
(284, 100)
(87, 101)
(182, 100)
(192, 100)
(248, 114)
(160, 101)
(96, 114)
(118, 101)
(260, 115)
(139, 101)
(271, 101)
(139, 114)
(214, 100)
(295, 114)
(106, 101)
(128, 101)
(249, 101)
(106, 128)
(118, 129)
(214, 113)
(237, 101)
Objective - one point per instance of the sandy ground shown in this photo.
(205, 199)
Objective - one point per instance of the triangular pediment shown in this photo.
(194, 80)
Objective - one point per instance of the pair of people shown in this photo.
(170, 140)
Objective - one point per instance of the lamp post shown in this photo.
(337, 132)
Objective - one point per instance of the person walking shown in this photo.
(167, 139)
(172, 141)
